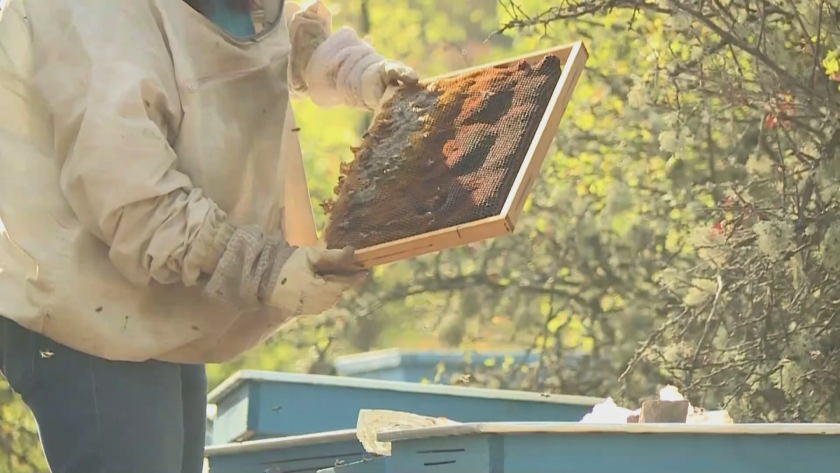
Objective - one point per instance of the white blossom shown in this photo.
(686, 138)
(830, 248)
(758, 164)
(668, 278)
(637, 97)
(671, 119)
(710, 243)
(701, 290)
(668, 141)
(773, 237)
(811, 150)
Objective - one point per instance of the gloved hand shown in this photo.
(377, 77)
(308, 28)
(255, 270)
(312, 280)
(346, 70)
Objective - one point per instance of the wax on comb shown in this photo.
(451, 160)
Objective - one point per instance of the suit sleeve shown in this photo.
(325, 66)
(104, 69)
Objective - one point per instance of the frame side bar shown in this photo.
(545, 135)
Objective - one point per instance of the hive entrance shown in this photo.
(441, 154)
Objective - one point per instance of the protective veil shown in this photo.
(136, 139)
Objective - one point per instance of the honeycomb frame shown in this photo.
(573, 58)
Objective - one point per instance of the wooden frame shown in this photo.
(574, 57)
(572, 428)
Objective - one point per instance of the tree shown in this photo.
(576, 279)
(743, 100)
(685, 229)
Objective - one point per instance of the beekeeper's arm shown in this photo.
(337, 68)
(104, 69)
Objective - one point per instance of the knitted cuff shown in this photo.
(281, 254)
(245, 269)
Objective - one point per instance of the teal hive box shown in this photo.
(300, 454)
(546, 447)
(414, 366)
(630, 448)
(254, 405)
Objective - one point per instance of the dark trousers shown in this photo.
(99, 416)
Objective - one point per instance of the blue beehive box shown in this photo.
(415, 366)
(263, 404)
(547, 447)
(300, 454)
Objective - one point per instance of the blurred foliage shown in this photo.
(20, 451)
(684, 229)
(742, 99)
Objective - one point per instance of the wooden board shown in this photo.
(573, 56)
(661, 412)
(520, 428)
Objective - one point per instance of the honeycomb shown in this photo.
(441, 153)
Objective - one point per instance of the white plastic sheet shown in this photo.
(608, 412)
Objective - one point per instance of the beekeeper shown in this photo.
(151, 190)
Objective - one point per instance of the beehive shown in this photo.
(450, 160)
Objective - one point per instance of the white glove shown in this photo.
(346, 70)
(312, 280)
(308, 28)
(381, 75)
(255, 270)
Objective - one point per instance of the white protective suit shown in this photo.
(133, 135)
